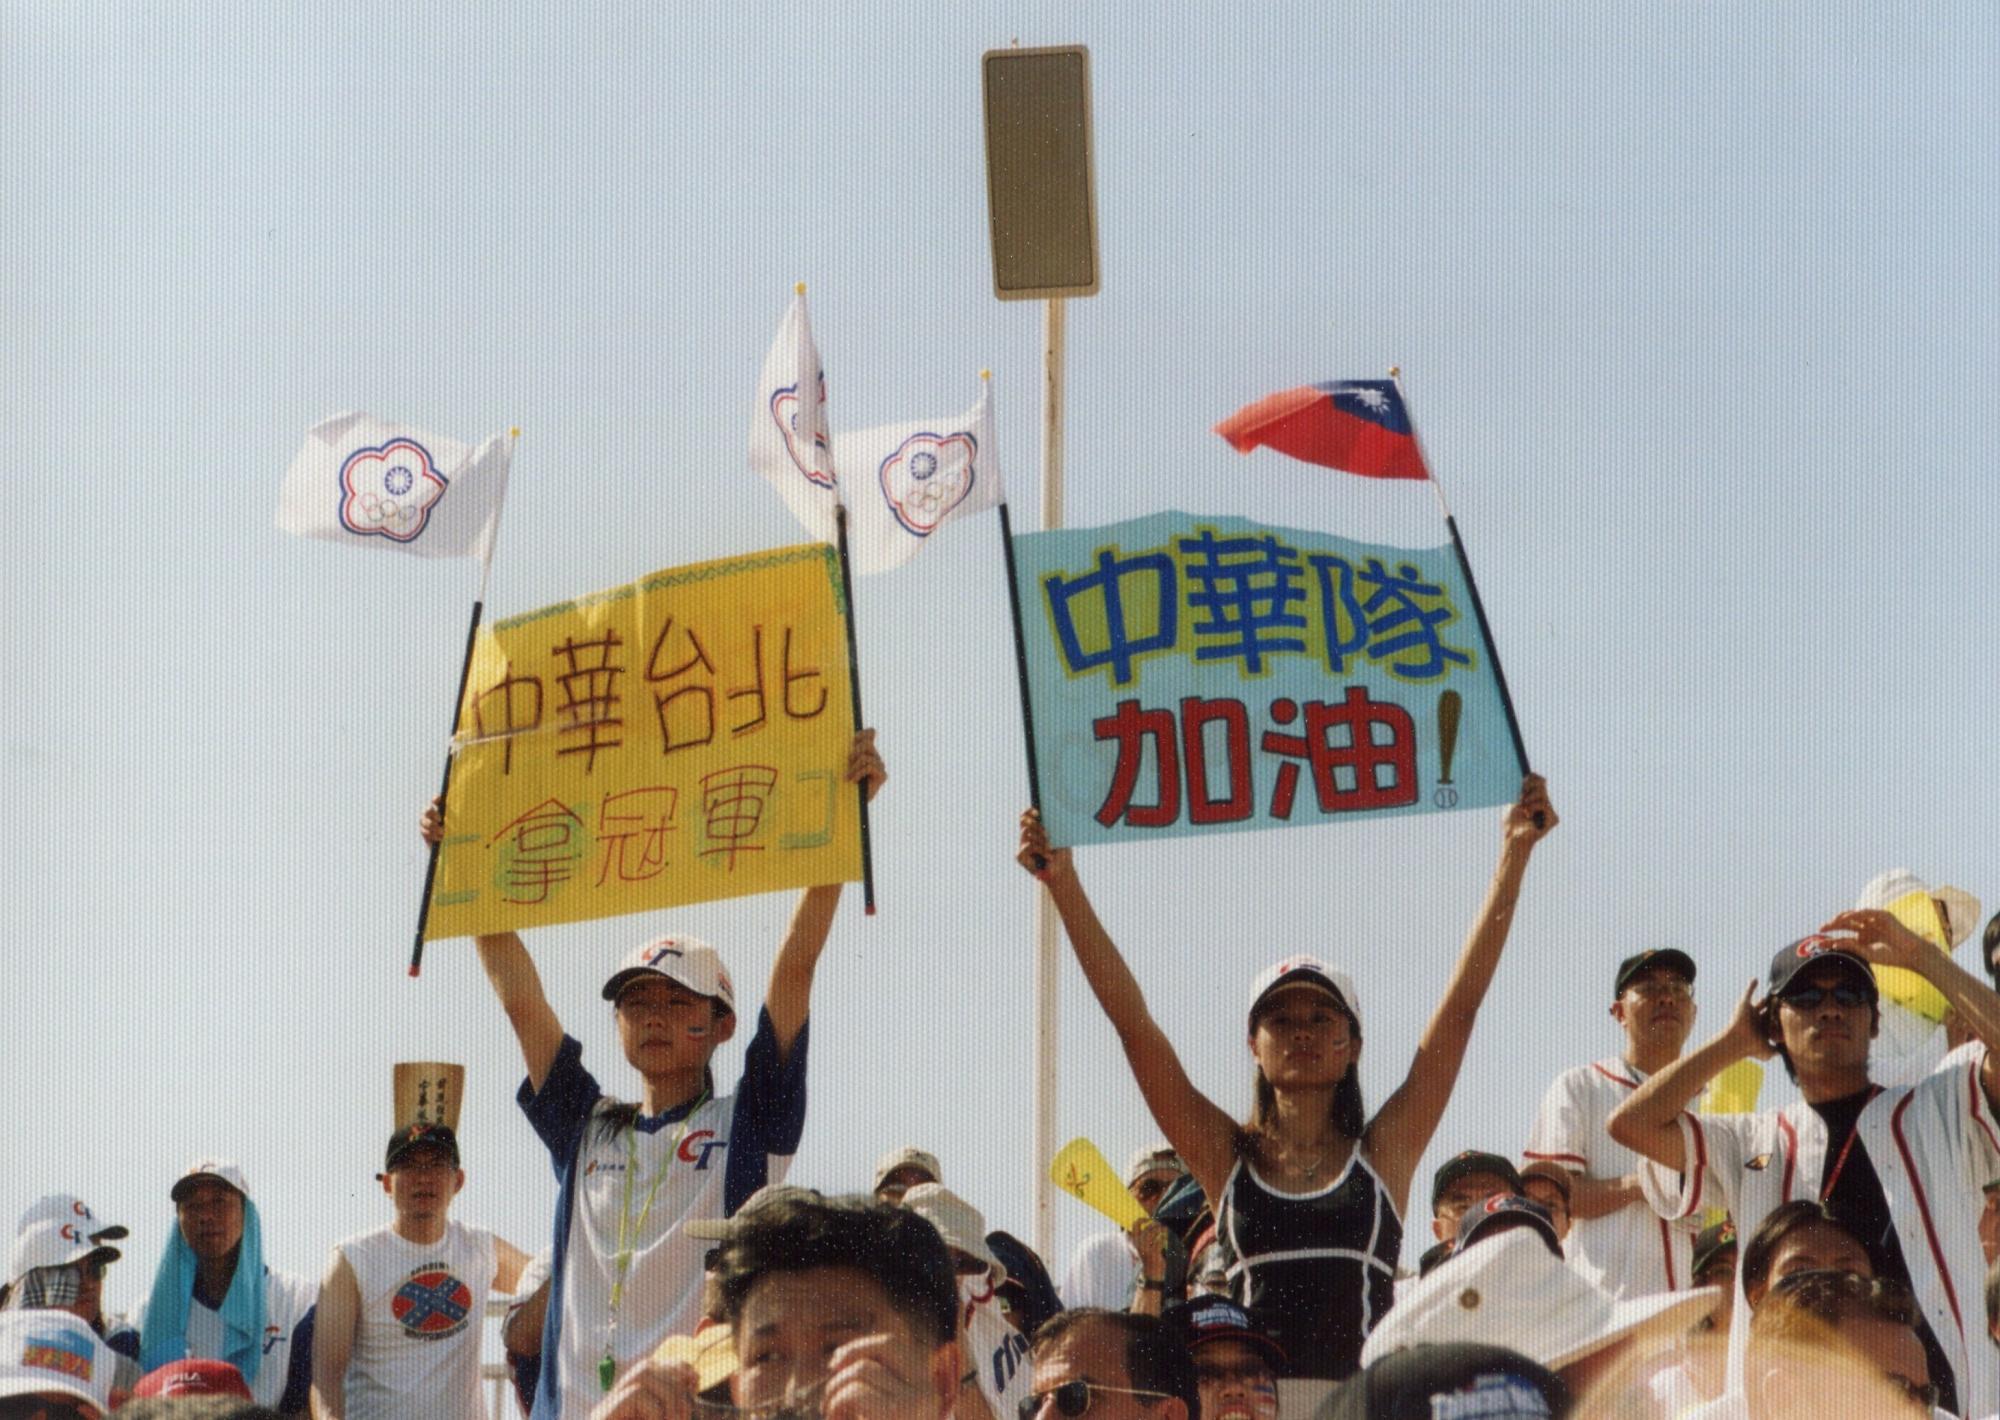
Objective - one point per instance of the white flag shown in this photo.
(360, 480)
(905, 481)
(788, 439)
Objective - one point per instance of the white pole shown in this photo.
(1048, 940)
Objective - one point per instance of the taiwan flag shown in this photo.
(1357, 426)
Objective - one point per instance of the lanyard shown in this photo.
(629, 1230)
(1840, 1163)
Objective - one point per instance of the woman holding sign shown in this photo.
(1311, 1189)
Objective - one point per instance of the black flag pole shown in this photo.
(457, 712)
(1471, 584)
(1021, 658)
(854, 690)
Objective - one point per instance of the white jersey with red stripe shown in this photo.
(1932, 1144)
(1631, 1252)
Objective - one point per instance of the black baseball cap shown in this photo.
(1672, 958)
(1821, 950)
(1503, 1211)
(1454, 1378)
(1470, 1162)
(1709, 1244)
(419, 1136)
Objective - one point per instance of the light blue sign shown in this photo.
(1208, 675)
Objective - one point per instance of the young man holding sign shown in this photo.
(625, 1272)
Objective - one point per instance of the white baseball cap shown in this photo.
(1513, 1292)
(687, 961)
(908, 1157)
(221, 1170)
(1149, 1158)
(52, 1353)
(1885, 888)
(1306, 971)
(962, 1226)
(68, 1208)
(53, 1244)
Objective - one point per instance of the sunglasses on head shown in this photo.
(1806, 998)
(1072, 1398)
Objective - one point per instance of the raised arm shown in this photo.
(1648, 1120)
(1402, 1128)
(338, 1313)
(1884, 940)
(515, 981)
(1201, 1133)
(789, 995)
(510, 1263)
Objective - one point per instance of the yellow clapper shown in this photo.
(1081, 1171)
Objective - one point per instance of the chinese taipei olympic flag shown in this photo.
(366, 482)
(905, 481)
(1197, 674)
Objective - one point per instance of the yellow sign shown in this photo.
(678, 739)
(1080, 1171)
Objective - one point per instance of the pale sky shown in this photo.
(1696, 307)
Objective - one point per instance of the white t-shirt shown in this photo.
(993, 1347)
(417, 1338)
(287, 1300)
(1101, 1273)
(1631, 1252)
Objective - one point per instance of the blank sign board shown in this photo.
(1041, 196)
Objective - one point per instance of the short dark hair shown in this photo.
(1155, 1359)
(1991, 941)
(897, 1248)
(1993, 1296)
(195, 1407)
(1754, 1260)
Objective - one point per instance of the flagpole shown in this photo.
(457, 712)
(1048, 935)
(1471, 584)
(1020, 658)
(854, 693)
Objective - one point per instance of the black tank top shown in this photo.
(1316, 1270)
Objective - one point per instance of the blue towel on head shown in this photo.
(164, 1337)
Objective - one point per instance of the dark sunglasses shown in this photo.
(1807, 998)
(1072, 1398)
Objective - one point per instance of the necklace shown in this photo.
(1309, 1172)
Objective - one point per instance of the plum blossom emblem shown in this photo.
(927, 476)
(390, 489)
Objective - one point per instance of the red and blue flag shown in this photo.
(1357, 426)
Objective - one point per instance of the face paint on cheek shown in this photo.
(697, 1032)
(1264, 1399)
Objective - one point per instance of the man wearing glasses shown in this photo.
(1902, 1168)
(1112, 1366)
(1615, 1239)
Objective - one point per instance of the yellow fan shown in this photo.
(1081, 1171)
(711, 1354)
(1916, 911)
(1735, 1090)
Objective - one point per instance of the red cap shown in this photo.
(194, 1378)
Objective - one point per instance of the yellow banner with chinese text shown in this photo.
(677, 739)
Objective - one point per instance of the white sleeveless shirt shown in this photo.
(416, 1340)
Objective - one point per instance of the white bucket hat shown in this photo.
(962, 1226)
(1513, 1292)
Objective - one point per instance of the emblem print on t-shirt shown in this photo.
(432, 1303)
